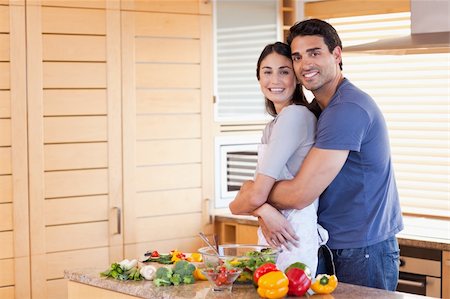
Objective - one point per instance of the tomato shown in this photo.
(154, 254)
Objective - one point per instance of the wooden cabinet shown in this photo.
(446, 274)
(105, 109)
(236, 233)
(288, 15)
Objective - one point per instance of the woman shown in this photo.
(286, 141)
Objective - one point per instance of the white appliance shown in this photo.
(235, 162)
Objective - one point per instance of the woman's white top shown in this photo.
(286, 141)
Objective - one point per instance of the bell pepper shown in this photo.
(300, 266)
(263, 269)
(299, 282)
(273, 285)
(324, 284)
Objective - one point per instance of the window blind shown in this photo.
(243, 29)
(413, 92)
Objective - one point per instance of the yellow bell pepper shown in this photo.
(196, 257)
(273, 285)
(324, 284)
(198, 275)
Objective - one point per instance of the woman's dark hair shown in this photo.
(316, 27)
(298, 97)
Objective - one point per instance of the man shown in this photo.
(349, 167)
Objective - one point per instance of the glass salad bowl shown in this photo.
(243, 257)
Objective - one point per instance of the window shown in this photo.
(413, 93)
(243, 28)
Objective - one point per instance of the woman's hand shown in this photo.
(275, 227)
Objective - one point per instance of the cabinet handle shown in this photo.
(116, 217)
(207, 217)
(411, 283)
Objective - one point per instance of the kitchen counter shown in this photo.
(87, 284)
(418, 232)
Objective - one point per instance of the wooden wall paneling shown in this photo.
(82, 209)
(57, 289)
(167, 76)
(57, 47)
(75, 129)
(168, 151)
(5, 103)
(177, 6)
(165, 177)
(5, 160)
(168, 126)
(167, 227)
(6, 188)
(4, 47)
(6, 216)
(347, 8)
(7, 293)
(179, 201)
(75, 3)
(167, 50)
(73, 21)
(6, 245)
(5, 132)
(168, 101)
(76, 75)
(19, 154)
(114, 92)
(76, 155)
(59, 261)
(76, 183)
(76, 236)
(7, 273)
(4, 75)
(58, 102)
(167, 25)
(128, 126)
(4, 18)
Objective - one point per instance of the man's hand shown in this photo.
(275, 227)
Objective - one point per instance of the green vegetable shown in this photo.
(122, 271)
(182, 273)
(163, 277)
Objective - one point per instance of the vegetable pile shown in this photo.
(182, 273)
(172, 257)
(252, 261)
(129, 270)
(294, 281)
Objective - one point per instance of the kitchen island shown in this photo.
(87, 284)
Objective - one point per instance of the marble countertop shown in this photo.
(418, 232)
(201, 289)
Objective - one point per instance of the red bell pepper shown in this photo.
(299, 281)
(263, 269)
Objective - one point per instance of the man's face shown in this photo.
(314, 65)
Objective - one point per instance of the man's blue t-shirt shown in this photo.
(361, 206)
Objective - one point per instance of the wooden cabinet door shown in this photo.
(74, 138)
(167, 104)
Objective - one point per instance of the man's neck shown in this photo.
(324, 95)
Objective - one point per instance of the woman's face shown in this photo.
(277, 79)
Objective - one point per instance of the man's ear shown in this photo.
(337, 53)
